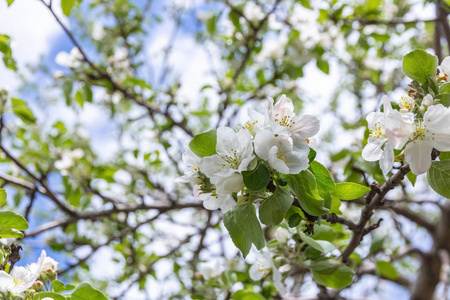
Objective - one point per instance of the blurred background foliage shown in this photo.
(91, 156)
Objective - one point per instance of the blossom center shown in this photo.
(281, 156)
(233, 160)
(407, 103)
(250, 125)
(18, 282)
(285, 121)
(376, 131)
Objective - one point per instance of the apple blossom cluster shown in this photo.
(418, 126)
(25, 281)
(278, 139)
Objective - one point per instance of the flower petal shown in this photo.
(372, 152)
(305, 126)
(387, 159)
(418, 156)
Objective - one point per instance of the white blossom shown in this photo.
(279, 152)
(70, 60)
(282, 235)
(20, 279)
(253, 12)
(98, 32)
(378, 146)
(282, 120)
(431, 132)
(263, 266)
(213, 201)
(210, 270)
(234, 153)
(68, 159)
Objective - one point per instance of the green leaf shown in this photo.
(244, 227)
(444, 88)
(66, 6)
(246, 295)
(439, 177)
(323, 177)
(6, 233)
(444, 99)
(273, 209)
(311, 155)
(304, 186)
(9, 219)
(332, 276)
(349, 190)
(20, 109)
(323, 66)
(419, 65)
(412, 177)
(51, 295)
(444, 155)
(294, 220)
(84, 94)
(9, 2)
(335, 205)
(386, 269)
(204, 144)
(57, 286)
(3, 201)
(85, 291)
(256, 179)
(319, 245)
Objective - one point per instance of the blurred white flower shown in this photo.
(70, 60)
(274, 24)
(282, 235)
(263, 266)
(213, 201)
(253, 12)
(210, 270)
(98, 32)
(68, 159)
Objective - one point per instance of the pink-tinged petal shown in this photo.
(277, 163)
(418, 156)
(372, 152)
(445, 66)
(387, 159)
(284, 106)
(305, 126)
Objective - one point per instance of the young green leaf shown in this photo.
(3, 201)
(85, 291)
(6, 233)
(322, 246)
(9, 219)
(349, 190)
(273, 209)
(386, 269)
(256, 179)
(66, 6)
(325, 183)
(304, 186)
(244, 227)
(49, 295)
(412, 177)
(439, 177)
(419, 65)
(335, 277)
(21, 109)
(204, 144)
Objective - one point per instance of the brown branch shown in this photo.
(105, 213)
(371, 203)
(333, 218)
